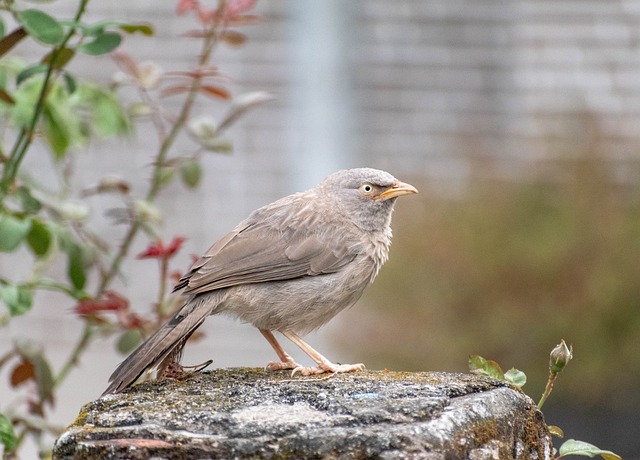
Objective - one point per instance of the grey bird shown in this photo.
(290, 267)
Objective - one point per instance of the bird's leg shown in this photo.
(170, 366)
(323, 364)
(286, 361)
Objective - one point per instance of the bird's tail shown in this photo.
(166, 340)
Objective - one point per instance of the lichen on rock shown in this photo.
(250, 413)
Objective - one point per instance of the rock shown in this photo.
(250, 413)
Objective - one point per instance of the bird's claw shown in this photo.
(175, 370)
(281, 365)
(327, 368)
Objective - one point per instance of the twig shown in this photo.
(25, 138)
(156, 184)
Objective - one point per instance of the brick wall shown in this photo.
(438, 81)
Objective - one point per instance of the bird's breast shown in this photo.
(378, 250)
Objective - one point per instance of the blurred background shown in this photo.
(517, 120)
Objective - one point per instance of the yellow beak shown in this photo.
(396, 190)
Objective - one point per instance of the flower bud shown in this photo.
(147, 212)
(149, 74)
(113, 183)
(560, 357)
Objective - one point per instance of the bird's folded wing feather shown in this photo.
(257, 251)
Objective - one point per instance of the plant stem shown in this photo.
(166, 145)
(20, 438)
(160, 159)
(156, 184)
(164, 270)
(18, 152)
(25, 138)
(548, 388)
(72, 361)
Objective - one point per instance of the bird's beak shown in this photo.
(396, 190)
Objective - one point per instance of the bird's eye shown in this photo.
(366, 188)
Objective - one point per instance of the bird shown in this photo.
(290, 267)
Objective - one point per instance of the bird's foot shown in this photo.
(171, 370)
(195, 368)
(327, 367)
(174, 370)
(280, 365)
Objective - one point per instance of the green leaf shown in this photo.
(56, 133)
(44, 377)
(8, 437)
(25, 96)
(29, 203)
(69, 82)
(30, 72)
(63, 126)
(515, 377)
(4, 79)
(18, 299)
(218, 145)
(76, 268)
(165, 175)
(93, 30)
(102, 44)
(41, 26)
(2, 29)
(39, 238)
(556, 431)
(108, 118)
(573, 447)
(13, 230)
(191, 172)
(144, 29)
(128, 341)
(76, 259)
(482, 366)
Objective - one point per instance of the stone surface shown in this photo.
(248, 413)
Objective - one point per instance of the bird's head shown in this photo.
(366, 195)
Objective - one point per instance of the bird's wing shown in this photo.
(266, 248)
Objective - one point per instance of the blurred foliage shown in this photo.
(44, 105)
(506, 268)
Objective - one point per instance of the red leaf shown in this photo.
(125, 61)
(194, 74)
(129, 320)
(35, 408)
(23, 372)
(244, 20)
(206, 15)
(237, 7)
(233, 38)
(216, 91)
(12, 40)
(175, 245)
(154, 251)
(175, 276)
(173, 90)
(111, 301)
(158, 250)
(63, 56)
(185, 6)
(195, 34)
(6, 97)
